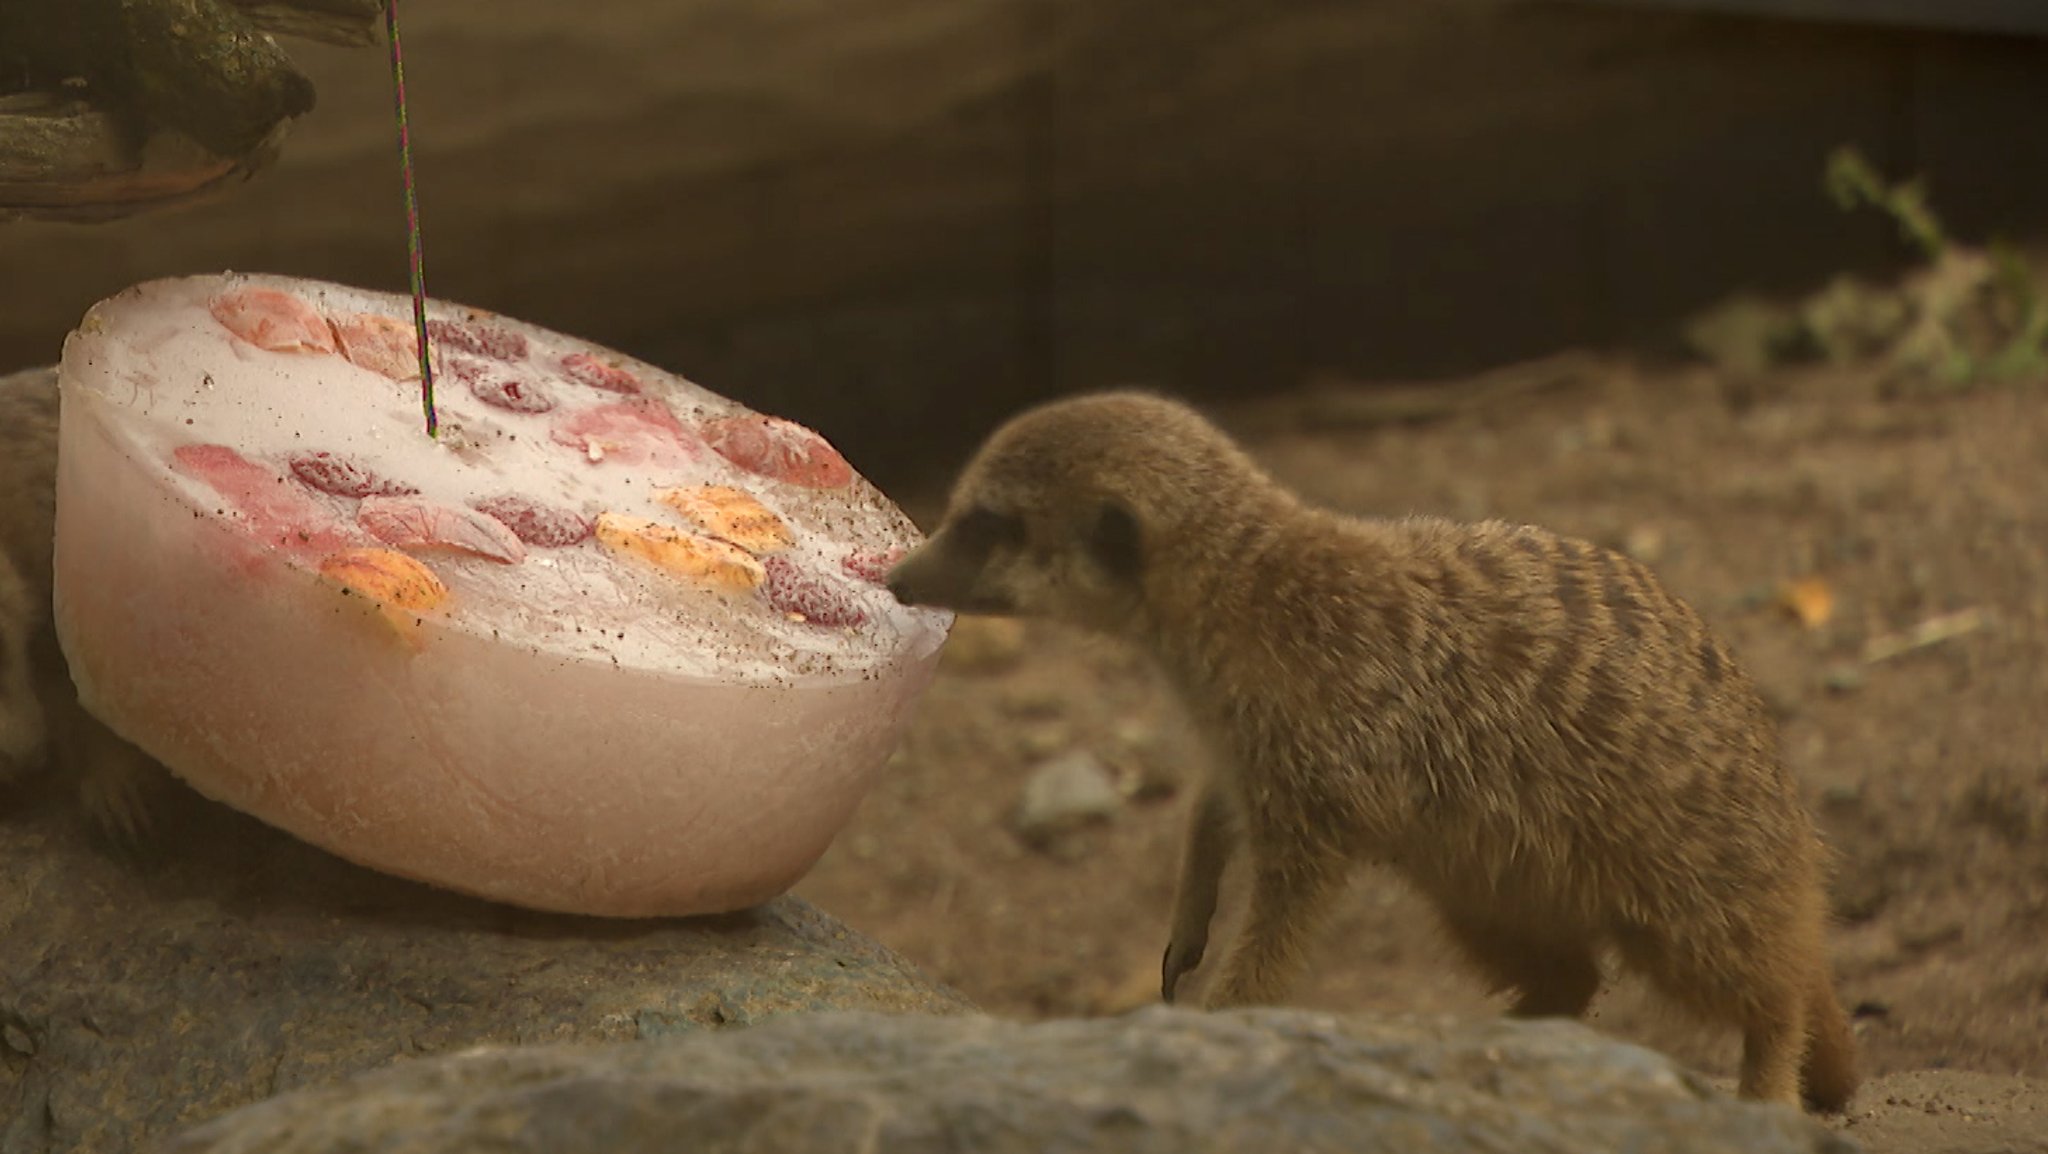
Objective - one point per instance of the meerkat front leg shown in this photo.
(1212, 835)
(1292, 886)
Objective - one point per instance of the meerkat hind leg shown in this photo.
(1762, 988)
(1550, 976)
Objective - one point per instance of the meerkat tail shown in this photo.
(1828, 1077)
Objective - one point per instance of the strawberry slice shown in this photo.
(535, 523)
(780, 450)
(341, 476)
(589, 370)
(871, 565)
(277, 514)
(378, 343)
(791, 590)
(272, 320)
(479, 339)
(636, 432)
(413, 523)
(503, 389)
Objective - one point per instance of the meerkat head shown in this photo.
(1065, 510)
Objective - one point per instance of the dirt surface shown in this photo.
(1928, 768)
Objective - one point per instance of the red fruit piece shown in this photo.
(343, 477)
(589, 370)
(481, 339)
(635, 432)
(277, 513)
(778, 449)
(505, 391)
(791, 590)
(872, 565)
(535, 523)
(379, 343)
(412, 523)
(273, 320)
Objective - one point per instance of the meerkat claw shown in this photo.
(1177, 962)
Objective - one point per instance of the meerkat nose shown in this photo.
(899, 588)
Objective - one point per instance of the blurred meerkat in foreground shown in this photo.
(1528, 728)
(41, 720)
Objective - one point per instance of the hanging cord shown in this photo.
(412, 222)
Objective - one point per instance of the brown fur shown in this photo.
(1530, 729)
(41, 720)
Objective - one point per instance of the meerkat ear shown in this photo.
(1115, 542)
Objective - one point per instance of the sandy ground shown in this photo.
(1928, 769)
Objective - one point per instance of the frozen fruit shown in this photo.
(778, 449)
(277, 513)
(412, 523)
(681, 553)
(378, 343)
(791, 590)
(636, 432)
(343, 477)
(505, 391)
(535, 523)
(273, 320)
(731, 515)
(478, 338)
(589, 370)
(401, 587)
(871, 565)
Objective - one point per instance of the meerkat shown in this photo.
(41, 719)
(1552, 748)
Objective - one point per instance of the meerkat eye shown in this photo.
(1115, 542)
(984, 528)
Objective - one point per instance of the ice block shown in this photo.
(611, 644)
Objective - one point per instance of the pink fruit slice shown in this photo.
(413, 523)
(378, 343)
(478, 338)
(534, 523)
(778, 449)
(871, 565)
(277, 513)
(589, 370)
(273, 320)
(797, 593)
(636, 432)
(341, 476)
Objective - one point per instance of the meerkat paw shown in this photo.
(1181, 958)
(22, 745)
(118, 786)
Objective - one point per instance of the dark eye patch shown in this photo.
(1115, 542)
(982, 528)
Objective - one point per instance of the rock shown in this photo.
(1064, 795)
(235, 963)
(1157, 1080)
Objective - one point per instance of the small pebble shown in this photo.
(1063, 795)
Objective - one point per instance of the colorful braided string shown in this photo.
(412, 222)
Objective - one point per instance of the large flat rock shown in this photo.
(1159, 1080)
(232, 963)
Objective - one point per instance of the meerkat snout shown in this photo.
(1531, 730)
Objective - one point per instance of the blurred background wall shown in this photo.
(897, 220)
